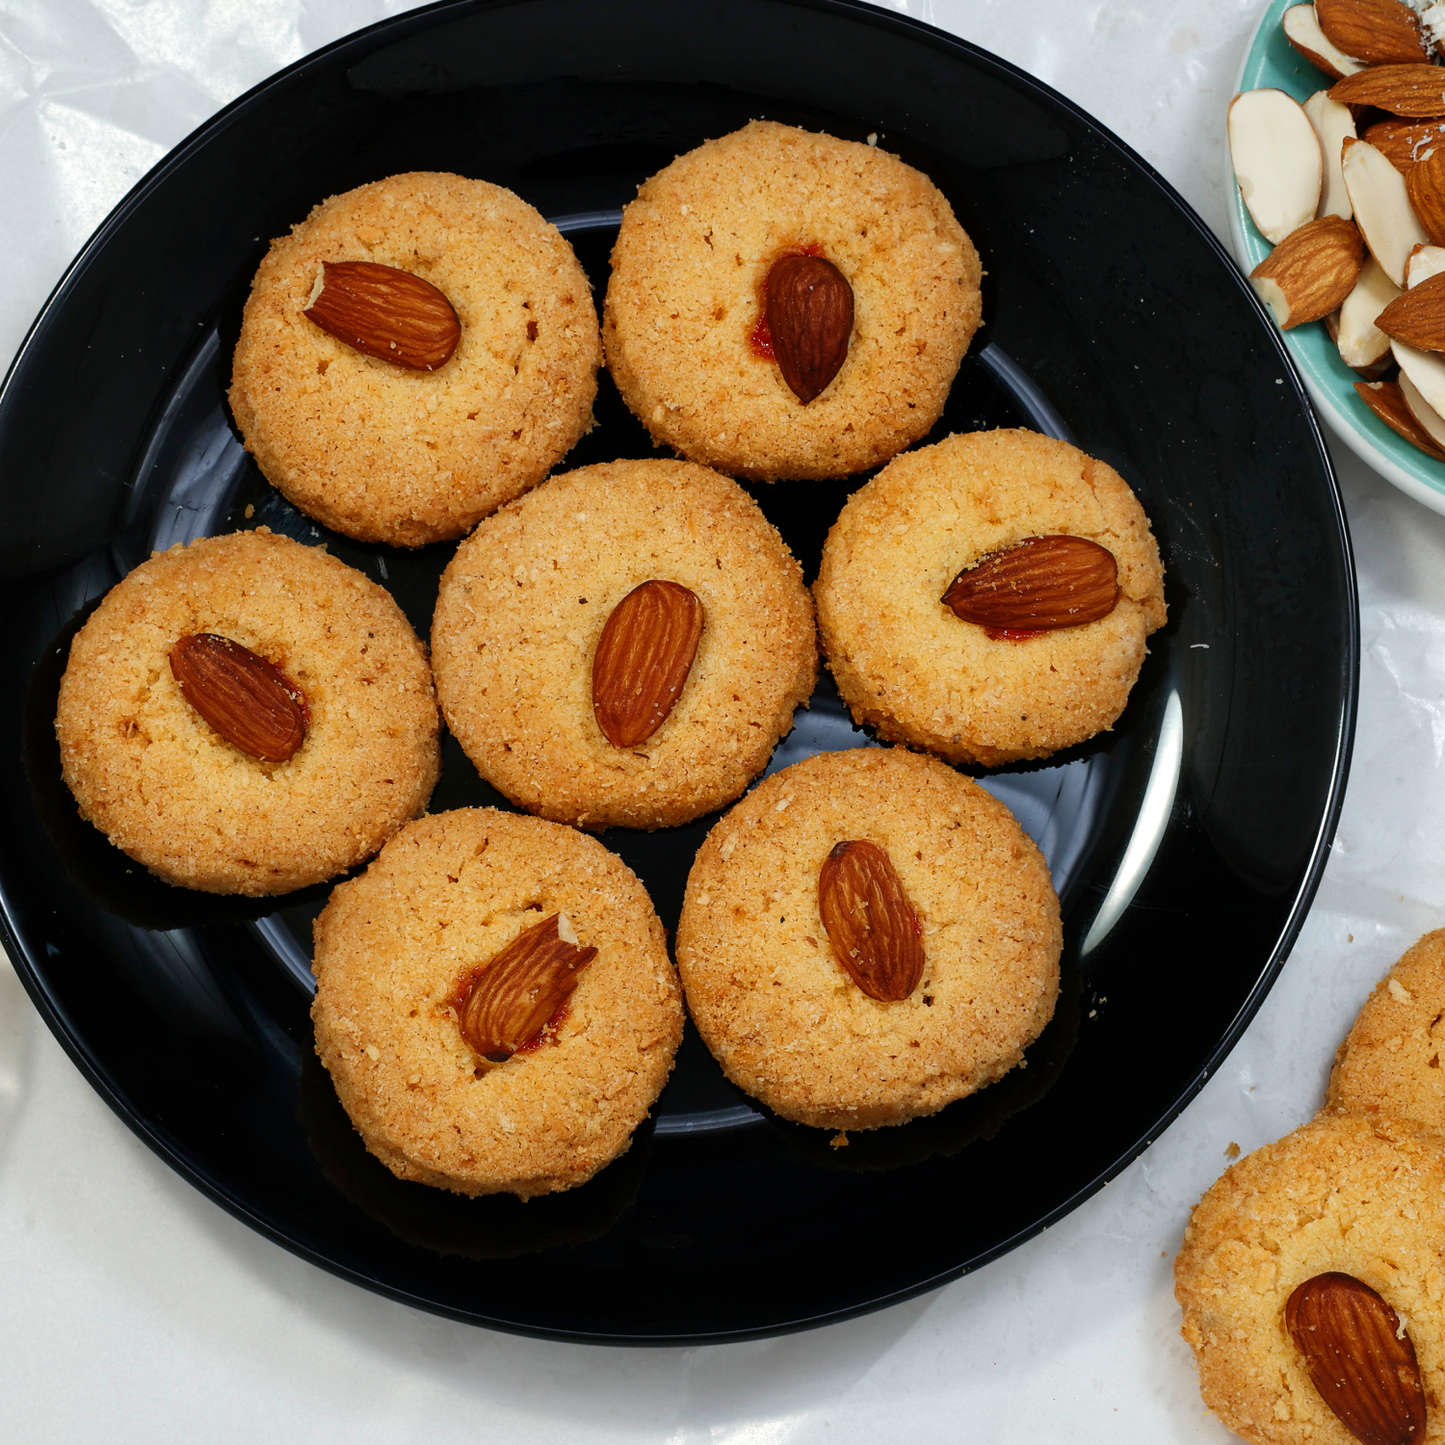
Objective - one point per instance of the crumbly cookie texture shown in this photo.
(687, 292)
(409, 457)
(448, 893)
(907, 666)
(1361, 1196)
(1390, 1061)
(775, 1005)
(523, 604)
(170, 791)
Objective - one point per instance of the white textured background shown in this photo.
(133, 1310)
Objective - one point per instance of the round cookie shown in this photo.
(448, 893)
(1362, 1197)
(686, 295)
(1390, 1061)
(523, 605)
(163, 785)
(907, 666)
(768, 992)
(409, 457)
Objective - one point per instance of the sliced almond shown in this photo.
(385, 312)
(872, 926)
(1417, 316)
(1425, 185)
(1428, 419)
(1360, 1358)
(1374, 32)
(1424, 262)
(1302, 30)
(1414, 91)
(1334, 124)
(1382, 208)
(1426, 369)
(1277, 162)
(1405, 142)
(1362, 344)
(1310, 272)
(504, 1005)
(1037, 585)
(1387, 400)
(643, 658)
(248, 700)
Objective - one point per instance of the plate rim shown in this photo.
(427, 17)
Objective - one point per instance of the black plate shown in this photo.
(1186, 844)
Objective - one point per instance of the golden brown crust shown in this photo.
(523, 604)
(450, 891)
(166, 788)
(907, 666)
(1390, 1062)
(1365, 1197)
(772, 1001)
(686, 289)
(409, 457)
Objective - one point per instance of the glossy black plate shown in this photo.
(1186, 844)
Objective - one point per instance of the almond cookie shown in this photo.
(401, 953)
(400, 453)
(561, 645)
(699, 329)
(1390, 1060)
(867, 937)
(911, 667)
(164, 705)
(1342, 1207)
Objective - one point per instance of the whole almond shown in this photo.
(248, 700)
(1374, 32)
(1417, 316)
(643, 658)
(1425, 185)
(1037, 585)
(506, 1003)
(385, 312)
(810, 319)
(869, 920)
(1387, 401)
(1311, 271)
(1405, 143)
(1359, 1358)
(1414, 91)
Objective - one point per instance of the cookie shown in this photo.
(682, 321)
(1344, 1194)
(908, 666)
(1390, 1060)
(525, 603)
(395, 950)
(388, 454)
(765, 976)
(165, 786)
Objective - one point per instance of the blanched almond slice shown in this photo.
(1382, 208)
(1303, 31)
(1360, 341)
(1430, 420)
(1333, 123)
(1277, 161)
(1426, 369)
(1424, 262)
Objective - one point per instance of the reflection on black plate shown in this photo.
(1185, 844)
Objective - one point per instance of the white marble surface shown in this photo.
(132, 1309)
